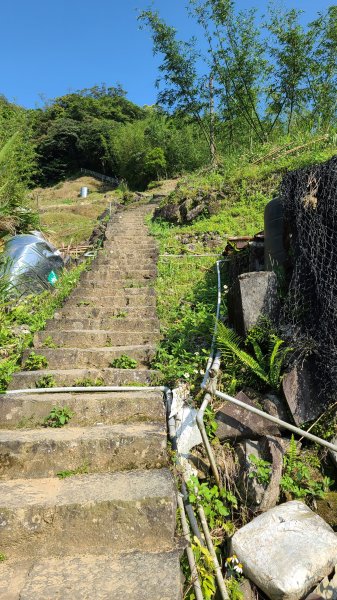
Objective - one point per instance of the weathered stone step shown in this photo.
(91, 338)
(32, 453)
(93, 514)
(61, 358)
(111, 275)
(130, 260)
(104, 286)
(128, 254)
(112, 324)
(128, 576)
(123, 296)
(126, 246)
(123, 264)
(89, 408)
(80, 377)
(117, 302)
(107, 312)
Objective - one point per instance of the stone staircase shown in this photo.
(109, 533)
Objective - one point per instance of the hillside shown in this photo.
(65, 217)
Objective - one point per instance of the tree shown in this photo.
(183, 90)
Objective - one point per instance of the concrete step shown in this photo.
(110, 275)
(43, 452)
(104, 286)
(110, 312)
(129, 245)
(76, 377)
(93, 514)
(128, 254)
(88, 408)
(123, 264)
(119, 296)
(112, 324)
(91, 338)
(61, 358)
(134, 575)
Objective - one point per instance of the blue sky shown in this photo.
(50, 47)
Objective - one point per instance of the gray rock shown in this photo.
(252, 295)
(237, 423)
(333, 455)
(250, 489)
(326, 590)
(301, 394)
(286, 551)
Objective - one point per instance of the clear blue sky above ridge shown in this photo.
(50, 47)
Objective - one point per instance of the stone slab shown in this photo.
(73, 377)
(236, 423)
(251, 296)
(145, 576)
(31, 453)
(28, 410)
(93, 514)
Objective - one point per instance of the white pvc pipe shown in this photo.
(218, 306)
(92, 388)
(279, 422)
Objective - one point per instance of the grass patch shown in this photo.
(21, 319)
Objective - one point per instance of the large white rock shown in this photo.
(286, 551)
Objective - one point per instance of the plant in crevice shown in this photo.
(261, 471)
(266, 367)
(34, 362)
(46, 381)
(124, 362)
(58, 417)
(297, 480)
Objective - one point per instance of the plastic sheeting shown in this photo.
(31, 264)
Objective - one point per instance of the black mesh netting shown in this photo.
(309, 199)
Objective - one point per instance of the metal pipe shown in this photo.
(172, 433)
(91, 388)
(279, 422)
(218, 573)
(189, 551)
(218, 305)
(201, 426)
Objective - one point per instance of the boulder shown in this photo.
(251, 296)
(286, 551)
(301, 394)
(326, 590)
(260, 496)
(236, 423)
(333, 455)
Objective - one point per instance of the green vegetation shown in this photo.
(124, 362)
(298, 480)
(81, 470)
(45, 381)
(217, 504)
(20, 319)
(2, 557)
(48, 342)
(261, 470)
(58, 416)
(34, 362)
(87, 382)
(265, 366)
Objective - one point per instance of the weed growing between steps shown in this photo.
(34, 362)
(58, 417)
(81, 470)
(124, 362)
(21, 319)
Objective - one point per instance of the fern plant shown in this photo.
(267, 367)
